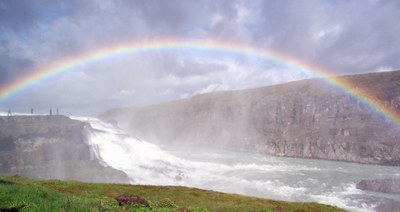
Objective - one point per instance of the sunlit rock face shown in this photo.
(307, 118)
(51, 147)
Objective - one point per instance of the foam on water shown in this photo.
(257, 175)
(343, 196)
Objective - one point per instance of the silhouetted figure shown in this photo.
(9, 112)
(32, 111)
(51, 112)
(57, 113)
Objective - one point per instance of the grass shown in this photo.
(54, 195)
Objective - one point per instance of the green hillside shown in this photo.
(25, 194)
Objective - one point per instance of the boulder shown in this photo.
(126, 199)
(381, 185)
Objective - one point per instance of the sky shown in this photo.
(344, 37)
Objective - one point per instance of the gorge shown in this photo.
(306, 119)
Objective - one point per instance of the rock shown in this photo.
(387, 205)
(381, 185)
(52, 147)
(12, 209)
(132, 199)
(307, 119)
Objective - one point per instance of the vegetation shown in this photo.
(28, 194)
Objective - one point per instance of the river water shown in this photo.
(280, 178)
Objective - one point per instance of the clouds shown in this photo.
(11, 66)
(342, 36)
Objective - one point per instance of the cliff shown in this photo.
(51, 147)
(307, 119)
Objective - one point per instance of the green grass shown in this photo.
(55, 195)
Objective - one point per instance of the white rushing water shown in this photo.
(264, 176)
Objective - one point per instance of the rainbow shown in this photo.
(141, 46)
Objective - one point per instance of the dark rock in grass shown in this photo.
(126, 199)
(382, 185)
(12, 209)
(9, 209)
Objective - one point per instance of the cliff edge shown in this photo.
(51, 147)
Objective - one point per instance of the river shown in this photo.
(280, 178)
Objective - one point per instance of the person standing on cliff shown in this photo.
(9, 112)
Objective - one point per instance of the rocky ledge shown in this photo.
(382, 185)
(389, 186)
(51, 147)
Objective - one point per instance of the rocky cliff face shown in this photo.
(50, 147)
(300, 119)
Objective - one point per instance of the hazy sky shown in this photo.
(342, 36)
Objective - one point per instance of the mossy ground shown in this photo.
(54, 195)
